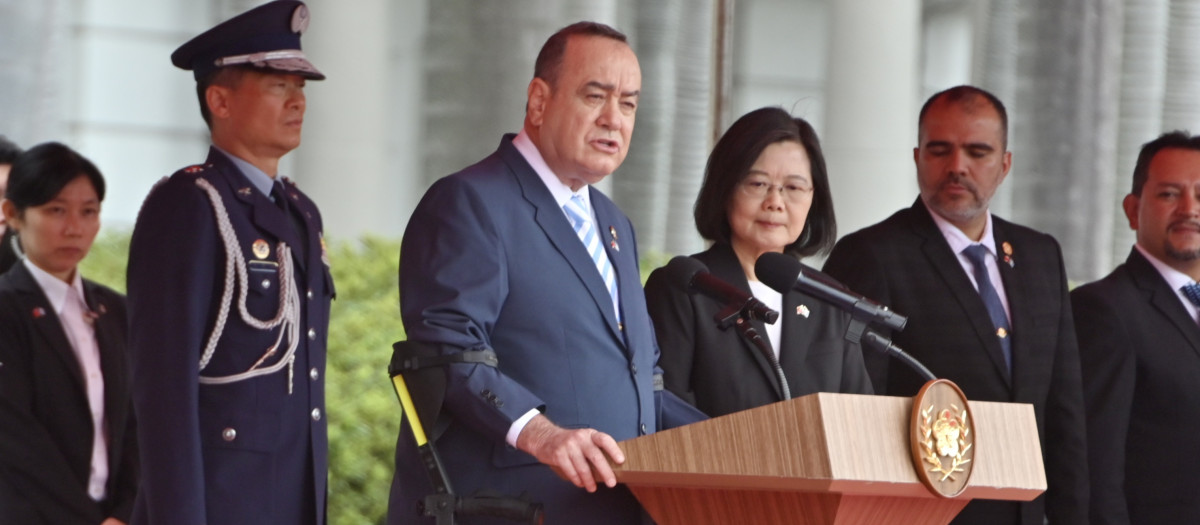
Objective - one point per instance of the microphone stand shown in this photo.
(857, 332)
(739, 316)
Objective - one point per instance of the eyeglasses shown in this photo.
(792, 191)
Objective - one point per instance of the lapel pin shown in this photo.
(802, 310)
(1008, 251)
(261, 249)
(244, 191)
(39, 312)
(612, 232)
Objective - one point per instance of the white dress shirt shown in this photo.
(74, 316)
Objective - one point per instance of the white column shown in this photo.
(359, 156)
(871, 108)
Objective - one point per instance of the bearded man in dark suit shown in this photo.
(1139, 346)
(986, 299)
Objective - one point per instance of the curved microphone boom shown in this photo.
(782, 273)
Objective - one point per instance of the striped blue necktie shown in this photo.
(577, 212)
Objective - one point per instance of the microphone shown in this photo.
(782, 273)
(694, 277)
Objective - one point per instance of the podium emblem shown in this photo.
(943, 438)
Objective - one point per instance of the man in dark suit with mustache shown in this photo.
(1139, 346)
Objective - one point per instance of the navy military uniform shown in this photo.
(229, 295)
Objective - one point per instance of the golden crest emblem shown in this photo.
(942, 438)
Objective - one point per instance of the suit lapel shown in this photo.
(554, 223)
(946, 265)
(1164, 299)
(724, 264)
(47, 323)
(265, 215)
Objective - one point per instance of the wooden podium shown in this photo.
(823, 459)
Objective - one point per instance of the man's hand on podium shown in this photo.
(580, 456)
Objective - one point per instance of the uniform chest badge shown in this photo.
(261, 249)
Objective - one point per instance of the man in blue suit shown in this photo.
(229, 294)
(520, 256)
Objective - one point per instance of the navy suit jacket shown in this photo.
(489, 260)
(719, 371)
(1140, 352)
(46, 431)
(248, 452)
(905, 262)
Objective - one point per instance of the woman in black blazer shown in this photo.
(67, 449)
(765, 190)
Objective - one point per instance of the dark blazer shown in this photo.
(719, 371)
(249, 452)
(45, 421)
(489, 260)
(904, 262)
(1140, 352)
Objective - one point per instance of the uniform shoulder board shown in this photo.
(196, 168)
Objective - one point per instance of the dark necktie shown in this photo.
(976, 253)
(279, 194)
(1192, 292)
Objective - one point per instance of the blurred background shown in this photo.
(420, 88)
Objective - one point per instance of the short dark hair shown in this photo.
(1174, 139)
(967, 95)
(228, 76)
(550, 58)
(41, 172)
(8, 150)
(733, 156)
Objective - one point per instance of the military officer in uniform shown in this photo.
(229, 294)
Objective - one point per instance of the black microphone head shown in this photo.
(682, 269)
(777, 270)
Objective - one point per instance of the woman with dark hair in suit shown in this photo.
(67, 449)
(765, 190)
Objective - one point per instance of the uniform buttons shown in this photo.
(229, 434)
(309, 294)
(313, 373)
(312, 334)
(642, 429)
(316, 414)
(633, 369)
(266, 284)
